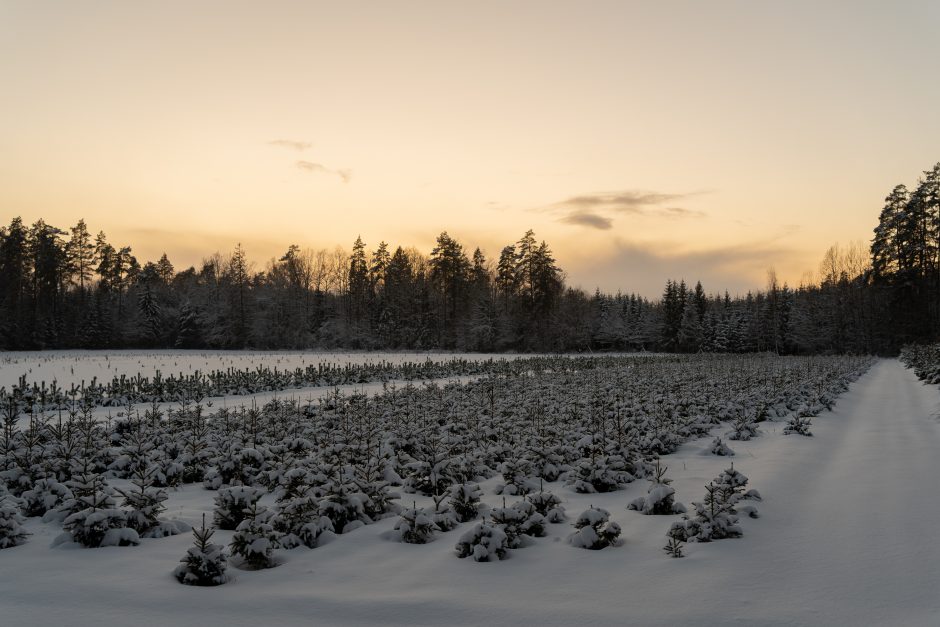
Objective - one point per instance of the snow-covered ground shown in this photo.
(845, 538)
(74, 366)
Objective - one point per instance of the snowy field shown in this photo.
(74, 366)
(844, 538)
(79, 367)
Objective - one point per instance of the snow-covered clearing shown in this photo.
(845, 538)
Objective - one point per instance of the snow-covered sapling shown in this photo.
(100, 527)
(415, 526)
(443, 515)
(12, 532)
(594, 530)
(720, 448)
(344, 507)
(232, 505)
(144, 503)
(659, 499)
(716, 517)
(548, 505)
(534, 522)
(673, 547)
(46, 494)
(204, 563)
(516, 475)
(254, 541)
(484, 543)
(465, 501)
(743, 428)
(798, 424)
(518, 520)
(299, 522)
(601, 474)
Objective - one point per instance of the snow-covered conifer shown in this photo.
(233, 505)
(600, 474)
(465, 501)
(594, 530)
(204, 563)
(254, 540)
(12, 532)
(660, 496)
(46, 494)
(720, 448)
(798, 424)
(484, 543)
(673, 547)
(548, 505)
(415, 526)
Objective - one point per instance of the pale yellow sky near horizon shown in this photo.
(643, 141)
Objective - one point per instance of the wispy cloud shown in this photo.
(319, 168)
(594, 210)
(299, 146)
(592, 220)
(628, 201)
(680, 212)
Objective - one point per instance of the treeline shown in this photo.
(70, 289)
(905, 260)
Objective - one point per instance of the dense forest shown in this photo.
(72, 289)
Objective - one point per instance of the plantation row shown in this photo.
(123, 390)
(336, 465)
(924, 360)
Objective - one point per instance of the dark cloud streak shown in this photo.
(591, 220)
(589, 209)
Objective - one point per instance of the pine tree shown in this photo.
(80, 254)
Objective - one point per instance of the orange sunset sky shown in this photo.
(642, 140)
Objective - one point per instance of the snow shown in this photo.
(73, 366)
(845, 538)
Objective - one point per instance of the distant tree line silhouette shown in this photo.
(70, 289)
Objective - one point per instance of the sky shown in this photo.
(643, 141)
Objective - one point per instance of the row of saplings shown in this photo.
(259, 531)
(501, 529)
